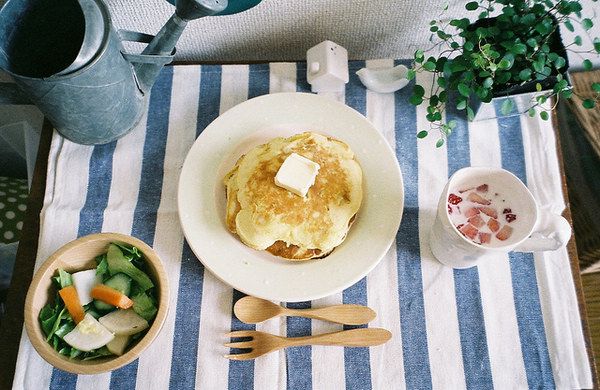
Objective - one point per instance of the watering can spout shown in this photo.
(162, 46)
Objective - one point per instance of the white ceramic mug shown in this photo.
(538, 229)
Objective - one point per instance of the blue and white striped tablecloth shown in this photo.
(512, 322)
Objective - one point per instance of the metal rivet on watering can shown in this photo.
(67, 59)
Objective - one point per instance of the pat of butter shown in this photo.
(297, 174)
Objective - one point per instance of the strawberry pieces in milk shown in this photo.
(477, 217)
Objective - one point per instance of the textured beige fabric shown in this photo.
(285, 29)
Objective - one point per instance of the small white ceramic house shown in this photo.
(327, 67)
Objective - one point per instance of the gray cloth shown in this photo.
(285, 29)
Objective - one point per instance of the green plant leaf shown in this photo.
(452, 124)
(566, 93)
(430, 66)
(559, 62)
(587, 24)
(415, 100)
(464, 90)
(519, 48)
(433, 28)
(544, 115)
(469, 46)
(506, 62)
(531, 112)
(569, 25)
(446, 130)
(443, 96)
(418, 91)
(488, 82)
(532, 42)
(507, 106)
(461, 105)
(439, 143)
(411, 74)
(578, 41)
(502, 77)
(525, 74)
(596, 87)
(441, 81)
(454, 45)
(597, 45)
(528, 19)
(472, 6)
(470, 113)
(562, 84)
(587, 64)
(538, 87)
(588, 103)
(422, 134)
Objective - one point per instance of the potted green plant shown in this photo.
(517, 53)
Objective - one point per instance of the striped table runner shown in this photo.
(512, 322)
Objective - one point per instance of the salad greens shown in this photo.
(122, 263)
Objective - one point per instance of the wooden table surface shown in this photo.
(12, 324)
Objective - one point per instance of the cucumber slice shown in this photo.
(119, 282)
(117, 262)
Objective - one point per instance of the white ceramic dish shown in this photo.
(201, 197)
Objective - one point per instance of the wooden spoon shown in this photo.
(252, 310)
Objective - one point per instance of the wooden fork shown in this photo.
(262, 343)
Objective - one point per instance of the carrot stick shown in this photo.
(111, 296)
(71, 300)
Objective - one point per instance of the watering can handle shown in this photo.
(134, 36)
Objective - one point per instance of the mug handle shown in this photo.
(551, 233)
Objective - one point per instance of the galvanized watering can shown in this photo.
(68, 60)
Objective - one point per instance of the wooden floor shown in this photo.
(591, 290)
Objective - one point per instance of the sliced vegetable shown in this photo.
(117, 262)
(88, 338)
(88, 335)
(124, 322)
(118, 344)
(84, 281)
(144, 306)
(119, 282)
(71, 300)
(111, 296)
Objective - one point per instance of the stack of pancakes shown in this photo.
(268, 217)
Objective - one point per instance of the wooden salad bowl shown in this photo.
(79, 255)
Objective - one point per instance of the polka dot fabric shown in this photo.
(13, 204)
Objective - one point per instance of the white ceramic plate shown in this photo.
(201, 197)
